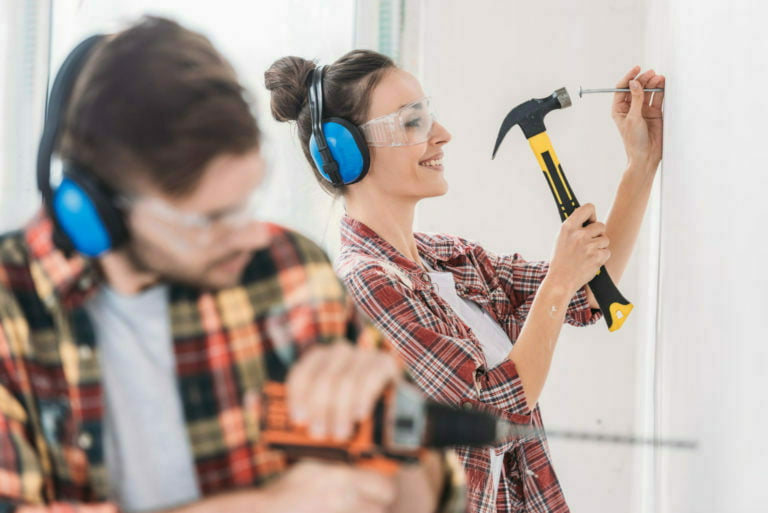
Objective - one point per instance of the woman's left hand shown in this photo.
(639, 118)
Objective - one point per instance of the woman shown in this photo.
(475, 328)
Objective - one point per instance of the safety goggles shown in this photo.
(192, 230)
(410, 124)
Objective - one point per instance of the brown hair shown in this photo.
(159, 100)
(347, 87)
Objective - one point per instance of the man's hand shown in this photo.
(315, 487)
(333, 387)
(418, 486)
(319, 487)
(307, 487)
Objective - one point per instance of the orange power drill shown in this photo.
(403, 425)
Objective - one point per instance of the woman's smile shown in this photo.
(434, 162)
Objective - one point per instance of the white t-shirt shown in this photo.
(493, 339)
(146, 446)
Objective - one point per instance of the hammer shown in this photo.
(530, 116)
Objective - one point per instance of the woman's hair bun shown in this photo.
(286, 79)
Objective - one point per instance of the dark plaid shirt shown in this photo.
(225, 343)
(443, 354)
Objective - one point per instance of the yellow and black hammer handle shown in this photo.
(614, 306)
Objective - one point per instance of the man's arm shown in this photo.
(308, 487)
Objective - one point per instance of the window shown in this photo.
(23, 78)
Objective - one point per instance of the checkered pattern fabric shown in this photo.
(226, 344)
(444, 356)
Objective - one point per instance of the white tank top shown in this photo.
(493, 339)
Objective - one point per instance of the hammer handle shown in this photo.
(614, 306)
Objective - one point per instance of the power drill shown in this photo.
(403, 425)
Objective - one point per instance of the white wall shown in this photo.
(696, 370)
(712, 342)
(480, 59)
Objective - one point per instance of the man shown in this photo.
(132, 380)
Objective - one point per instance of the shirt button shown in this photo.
(85, 440)
(467, 405)
(479, 373)
(426, 277)
(85, 352)
(85, 283)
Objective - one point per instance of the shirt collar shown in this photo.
(57, 277)
(435, 249)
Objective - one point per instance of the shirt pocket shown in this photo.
(437, 315)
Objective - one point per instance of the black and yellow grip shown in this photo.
(614, 306)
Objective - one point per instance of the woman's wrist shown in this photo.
(556, 290)
(643, 167)
(636, 181)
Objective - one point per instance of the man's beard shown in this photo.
(171, 274)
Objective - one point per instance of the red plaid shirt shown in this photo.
(444, 356)
(226, 343)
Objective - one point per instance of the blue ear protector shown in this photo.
(82, 210)
(336, 145)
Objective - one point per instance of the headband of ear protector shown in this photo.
(337, 146)
(83, 212)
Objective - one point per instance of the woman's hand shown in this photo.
(639, 118)
(579, 251)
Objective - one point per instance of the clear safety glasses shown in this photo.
(411, 124)
(192, 230)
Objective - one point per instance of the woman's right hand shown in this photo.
(579, 251)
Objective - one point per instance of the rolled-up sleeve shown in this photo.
(521, 279)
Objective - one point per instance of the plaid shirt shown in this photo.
(444, 356)
(226, 343)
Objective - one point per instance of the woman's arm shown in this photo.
(626, 216)
(534, 348)
(579, 253)
(639, 119)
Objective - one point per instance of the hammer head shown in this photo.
(530, 115)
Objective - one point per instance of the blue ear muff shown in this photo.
(337, 146)
(84, 216)
(348, 148)
(79, 218)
